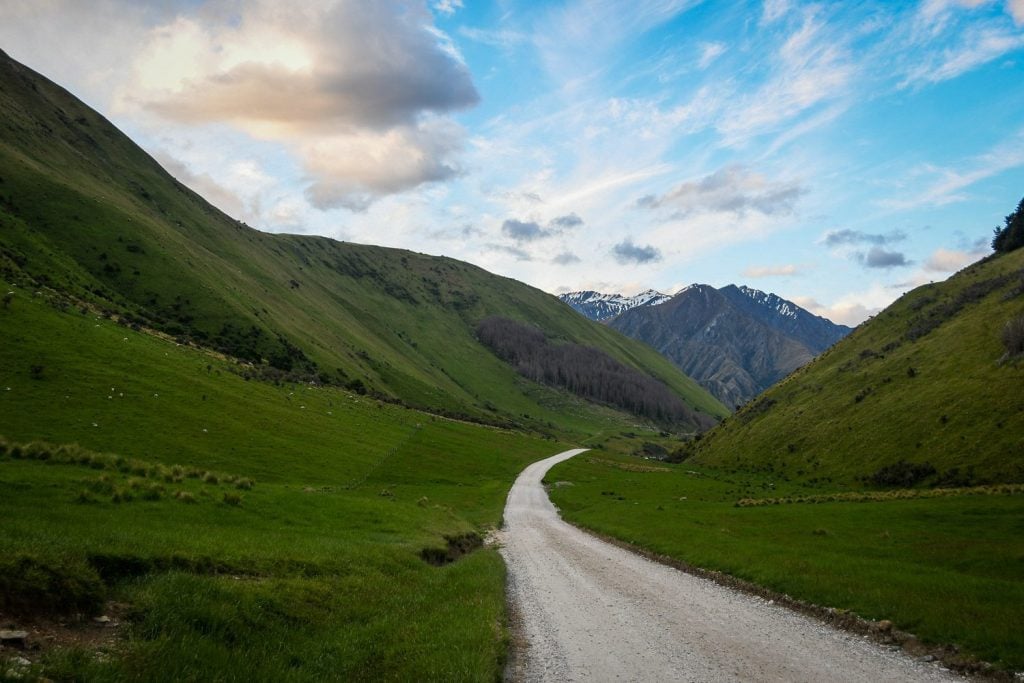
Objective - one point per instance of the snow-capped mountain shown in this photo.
(813, 331)
(601, 307)
(735, 341)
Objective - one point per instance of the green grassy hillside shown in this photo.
(920, 383)
(85, 211)
(313, 571)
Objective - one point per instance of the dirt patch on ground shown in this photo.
(102, 635)
(457, 546)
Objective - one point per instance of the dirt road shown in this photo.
(590, 611)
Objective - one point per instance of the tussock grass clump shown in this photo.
(140, 470)
(1013, 337)
(883, 496)
(184, 497)
(231, 498)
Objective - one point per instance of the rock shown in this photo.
(16, 669)
(926, 658)
(102, 620)
(13, 638)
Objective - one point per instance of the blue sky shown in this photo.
(837, 154)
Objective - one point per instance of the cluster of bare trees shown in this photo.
(583, 370)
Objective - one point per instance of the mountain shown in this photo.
(929, 390)
(736, 341)
(813, 331)
(731, 352)
(601, 307)
(86, 213)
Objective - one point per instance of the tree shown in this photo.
(1011, 235)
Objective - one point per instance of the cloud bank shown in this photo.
(366, 116)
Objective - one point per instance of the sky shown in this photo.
(837, 154)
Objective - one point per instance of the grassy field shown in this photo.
(950, 569)
(314, 571)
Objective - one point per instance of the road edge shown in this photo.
(880, 632)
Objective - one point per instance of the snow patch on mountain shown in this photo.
(599, 306)
(786, 309)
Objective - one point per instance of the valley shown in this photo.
(230, 454)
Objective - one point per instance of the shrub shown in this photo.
(1013, 336)
(901, 474)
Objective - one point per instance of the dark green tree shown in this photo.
(1011, 235)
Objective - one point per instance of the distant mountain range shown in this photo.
(735, 341)
(601, 307)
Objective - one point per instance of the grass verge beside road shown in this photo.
(950, 569)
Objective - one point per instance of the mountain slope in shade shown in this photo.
(729, 352)
(813, 331)
(602, 307)
(85, 211)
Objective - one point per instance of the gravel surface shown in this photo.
(585, 610)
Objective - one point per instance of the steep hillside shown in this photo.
(813, 331)
(918, 394)
(602, 307)
(86, 212)
(733, 354)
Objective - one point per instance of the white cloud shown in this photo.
(948, 261)
(1016, 10)
(501, 38)
(775, 10)
(709, 52)
(731, 189)
(448, 7)
(950, 183)
(367, 117)
(976, 48)
(812, 67)
(853, 308)
(772, 271)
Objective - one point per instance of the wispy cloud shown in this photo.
(975, 48)
(709, 52)
(501, 38)
(448, 7)
(837, 238)
(731, 189)
(812, 67)
(772, 271)
(949, 184)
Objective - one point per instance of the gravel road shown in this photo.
(590, 611)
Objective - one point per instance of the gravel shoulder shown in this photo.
(586, 610)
